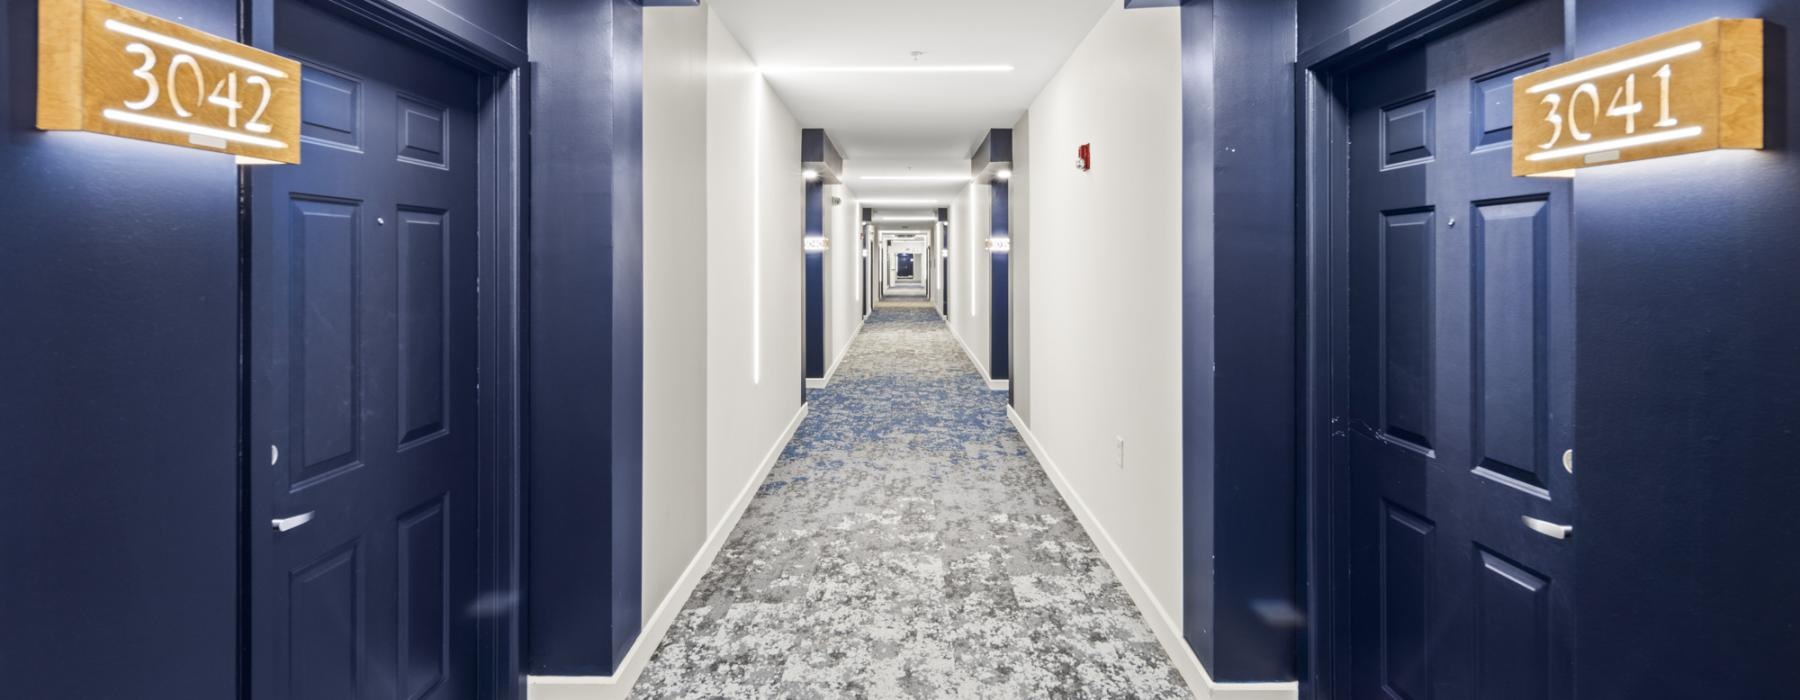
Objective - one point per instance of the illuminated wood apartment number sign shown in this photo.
(1694, 89)
(111, 70)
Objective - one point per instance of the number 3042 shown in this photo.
(183, 71)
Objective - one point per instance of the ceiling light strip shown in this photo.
(917, 178)
(778, 70)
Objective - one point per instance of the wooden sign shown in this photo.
(111, 70)
(1694, 89)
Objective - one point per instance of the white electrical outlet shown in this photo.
(1121, 440)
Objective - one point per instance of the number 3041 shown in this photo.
(1566, 115)
(183, 76)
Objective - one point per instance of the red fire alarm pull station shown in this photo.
(1084, 158)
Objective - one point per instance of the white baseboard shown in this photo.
(618, 685)
(981, 369)
(1168, 631)
(822, 382)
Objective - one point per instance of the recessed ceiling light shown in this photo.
(955, 68)
(917, 178)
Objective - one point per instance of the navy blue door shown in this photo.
(363, 399)
(905, 266)
(1457, 354)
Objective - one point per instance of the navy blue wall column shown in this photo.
(822, 163)
(1238, 334)
(814, 318)
(1687, 395)
(943, 217)
(991, 165)
(1000, 328)
(119, 418)
(585, 368)
(865, 239)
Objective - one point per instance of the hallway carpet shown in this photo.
(907, 545)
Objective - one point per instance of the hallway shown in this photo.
(908, 545)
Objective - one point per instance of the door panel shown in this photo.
(363, 331)
(1456, 343)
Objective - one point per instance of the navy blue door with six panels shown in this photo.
(363, 401)
(1457, 354)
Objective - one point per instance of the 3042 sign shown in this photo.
(1694, 89)
(112, 70)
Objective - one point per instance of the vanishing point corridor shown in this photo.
(908, 545)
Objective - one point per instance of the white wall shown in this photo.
(710, 415)
(675, 298)
(1105, 352)
(754, 273)
(971, 271)
(843, 295)
(1019, 274)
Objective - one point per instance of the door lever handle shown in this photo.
(292, 521)
(1547, 528)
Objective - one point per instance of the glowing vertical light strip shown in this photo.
(974, 197)
(756, 118)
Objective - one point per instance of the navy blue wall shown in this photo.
(1239, 354)
(1000, 325)
(119, 417)
(585, 366)
(813, 325)
(1687, 396)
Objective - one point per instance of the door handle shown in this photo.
(1547, 528)
(292, 521)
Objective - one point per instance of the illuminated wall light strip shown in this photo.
(172, 125)
(756, 132)
(970, 216)
(1612, 68)
(192, 48)
(1614, 144)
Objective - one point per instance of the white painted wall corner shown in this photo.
(981, 369)
(618, 685)
(1168, 630)
(822, 382)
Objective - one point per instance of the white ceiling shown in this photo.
(885, 122)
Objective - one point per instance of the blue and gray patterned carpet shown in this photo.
(908, 545)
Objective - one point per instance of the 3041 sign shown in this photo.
(1694, 89)
(112, 70)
